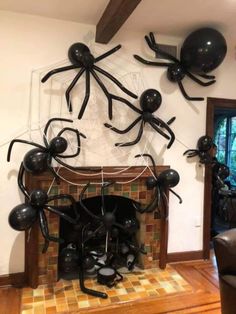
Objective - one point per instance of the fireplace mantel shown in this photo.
(120, 174)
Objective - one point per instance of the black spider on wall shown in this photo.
(201, 52)
(150, 101)
(81, 58)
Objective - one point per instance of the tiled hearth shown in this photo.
(66, 296)
(42, 268)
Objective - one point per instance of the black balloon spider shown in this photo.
(81, 57)
(39, 159)
(176, 71)
(204, 145)
(163, 182)
(23, 216)
(150, 101)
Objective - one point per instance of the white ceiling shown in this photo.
(172, 17)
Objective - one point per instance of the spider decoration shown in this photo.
(23, 216)
(201, 52)
(39, 159)
(204, 145)
(150, 101)
(106, 226)
(166, 180)
(81, 58)
(219, 173)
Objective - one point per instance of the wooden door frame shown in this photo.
(212, 105)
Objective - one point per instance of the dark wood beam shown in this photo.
(114, 16)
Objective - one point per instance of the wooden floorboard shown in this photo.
(204, 297)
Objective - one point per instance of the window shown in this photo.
(225, 139)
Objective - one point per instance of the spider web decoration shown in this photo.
(48, 100)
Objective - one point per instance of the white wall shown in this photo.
(28, 43)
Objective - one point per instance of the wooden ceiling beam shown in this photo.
(114, 16)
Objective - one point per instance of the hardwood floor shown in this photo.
(204, 297)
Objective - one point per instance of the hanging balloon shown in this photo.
(168, 178)
(203, 50)
(68, 261)
(221, 170)
(204, 143)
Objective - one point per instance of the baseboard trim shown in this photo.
(16, 280)
(184, 256)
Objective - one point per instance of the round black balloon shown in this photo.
(151, 182)
(79, 54)
(22, 217)
(175, 72)
(68, 260)
(150, 100)
(36, 161)
(168, 178)
(38, 198)
(221, 170)
(203, 50)
(58, 145)
(204, 143)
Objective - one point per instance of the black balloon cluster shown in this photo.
(204, 145)
(202, 52)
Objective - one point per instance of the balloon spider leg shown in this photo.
(83, 206)
(191, 151)
(156, 128)
(45, 131)
(152, 161)
(165, 204)
(105, 91)
(21, 141)
(195, 79)
(177, 195)
(72, 201)
(50, 73)
(138, 138)
(87, 94)
(44, 228)
(181, 87)
(20, 181)
(114, 80)
(154, 46)
(70, 87)
(125, 130)
(126, 102)
(51, 169)
(108, 53)
(162, 124)
(61, 214)
(103, 187)
(147, 62)
(206, 76)
(78, 134)
(169, 122)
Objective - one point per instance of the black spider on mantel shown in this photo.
(81, 57)
(150, 101)
(176, 70)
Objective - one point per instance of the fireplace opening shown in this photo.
(112, 240)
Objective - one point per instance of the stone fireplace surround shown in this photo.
(42, 268)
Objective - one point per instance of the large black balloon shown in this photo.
(204, 143)
(68, 260)
(22, 217)
(203, 50)
(168, 178)
(36, 161)
(221, 170)
(150, 100)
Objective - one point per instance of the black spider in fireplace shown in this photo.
(166, 180)
(23, 216)
(81, 58)
(39, 159)
(116, 238)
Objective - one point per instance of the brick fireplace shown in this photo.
(153, 233)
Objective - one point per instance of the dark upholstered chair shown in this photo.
(225, 251)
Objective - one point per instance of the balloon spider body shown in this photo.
(23, 216)
(201, 52)
(166, 180)
(81, 58)
(39, 159)
(204, 145)
(150, 101)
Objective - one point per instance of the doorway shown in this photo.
(213, 106)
